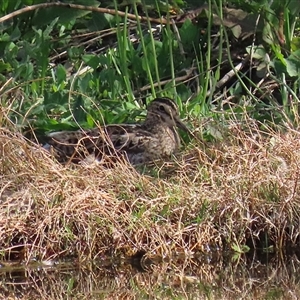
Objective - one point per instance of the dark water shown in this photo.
(234, 277)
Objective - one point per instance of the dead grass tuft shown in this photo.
(241, 191)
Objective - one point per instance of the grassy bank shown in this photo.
(239, 193)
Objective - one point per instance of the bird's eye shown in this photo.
(162, 108)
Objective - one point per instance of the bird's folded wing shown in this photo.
(105, 139)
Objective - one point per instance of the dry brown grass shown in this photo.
(242, 191)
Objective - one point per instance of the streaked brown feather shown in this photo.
(154, 138)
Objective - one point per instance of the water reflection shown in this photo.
(228, 277)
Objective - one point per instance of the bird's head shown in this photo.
(167, 111)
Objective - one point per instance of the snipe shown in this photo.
(155, 138)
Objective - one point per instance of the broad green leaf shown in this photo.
(61, 74)
(293, 64)
(16, 34)
(4, 67)
(91, 60)
(90, 121)
(257, 52)
(291, 68)
(295, 44)
(5, 37)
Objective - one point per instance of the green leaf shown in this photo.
(64, 15)
(258, 52)
(78, 112)
(90, 121)
(189, 33)
(75, 52)
(49, 29)
(4, 66)
(61, 74)
(5, 37)
(291, 68)
(293, 64)
(295, 44)
(91, 60)
(16, 34)
(294, 7)
(240, 248)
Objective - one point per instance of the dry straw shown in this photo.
(224, 195)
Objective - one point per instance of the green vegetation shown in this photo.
(233, 68)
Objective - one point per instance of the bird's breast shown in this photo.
(167, 141)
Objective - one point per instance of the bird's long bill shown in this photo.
(181, 125)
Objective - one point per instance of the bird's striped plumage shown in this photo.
(156, 137)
